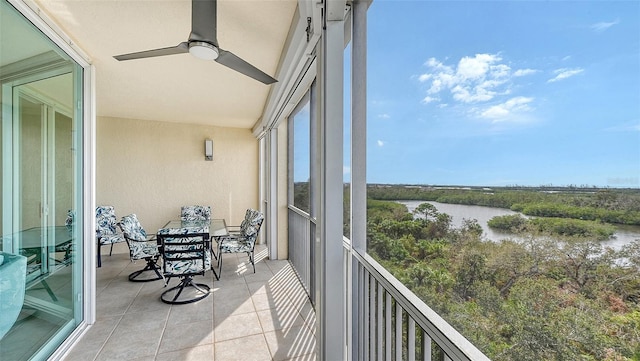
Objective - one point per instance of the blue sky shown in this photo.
(504, 92)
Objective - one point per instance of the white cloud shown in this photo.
(380, 143)
(476, 67)
(473, 79)
(479, 94)
(384, 116)
(424, 77)
(602, 26)
(523, 72)
(346, 170)
(503, 112)
(564, 73)
(429, 99)
(566, 58)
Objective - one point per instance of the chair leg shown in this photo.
(252, 261)
(151, 266)
(111, 250)
(213, 253)
(220, 263)
(99, 258)
(186, 281)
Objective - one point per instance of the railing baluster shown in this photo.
(411, 339)
(378, 293)
(372, 314)
(426, 347)
(398, 332)
(387, 326)
(361, 316)
(380, 323)
(366, 335)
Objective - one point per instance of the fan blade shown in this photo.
(203, 21)
(232, 61)
(178, 49)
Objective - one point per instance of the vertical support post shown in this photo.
(332, 271)
(358, 156)
(359, 127)
(272, 193)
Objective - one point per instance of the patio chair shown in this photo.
(106, 233)
(195, 213)
(141, 246)
(243, 241)
(185, 256)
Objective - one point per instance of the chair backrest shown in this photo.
(105, 221)
(132, 228)
(185, 255)
(70, 221)
(195, 213)
(251, 224)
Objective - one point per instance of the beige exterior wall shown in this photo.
(153, 168)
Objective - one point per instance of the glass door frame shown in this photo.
(84, 105)
(49, 109)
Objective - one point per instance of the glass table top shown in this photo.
(214, 227)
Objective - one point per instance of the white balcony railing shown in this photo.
(301, 234)
(387, 320)
(394, 324)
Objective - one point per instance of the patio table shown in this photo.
(201, 228)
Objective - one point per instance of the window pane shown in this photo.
(301, 156)
(41, 265)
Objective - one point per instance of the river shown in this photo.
(624, 234)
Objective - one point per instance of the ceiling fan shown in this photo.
(203, 44)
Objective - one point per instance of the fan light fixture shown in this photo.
(202, 50)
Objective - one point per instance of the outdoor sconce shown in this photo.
(208, 149)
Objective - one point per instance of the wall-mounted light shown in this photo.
(208, 149)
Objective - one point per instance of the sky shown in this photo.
(498, 93)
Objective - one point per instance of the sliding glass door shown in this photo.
(41, 248)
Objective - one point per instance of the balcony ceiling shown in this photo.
(176, 88)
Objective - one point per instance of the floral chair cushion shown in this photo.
(251, 224)
(246, 239)
(132, 228)
(105, 225)
(195, 213)
(142, 250)
(234, 244)
(141, 244)
(178, 262)
(70, 221)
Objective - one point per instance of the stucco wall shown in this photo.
(153, 168)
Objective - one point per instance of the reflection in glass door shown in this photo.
(41, 225)
(45, 194)
(44, 173)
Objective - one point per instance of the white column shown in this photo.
(331, 308)
(359, 126)
(358, 156)
(272, 193)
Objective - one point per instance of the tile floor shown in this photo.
(261, 316)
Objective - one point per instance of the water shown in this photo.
(458, 212)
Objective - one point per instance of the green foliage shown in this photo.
(547, 297)
(512, 222)
(605, 205)
(573, 227)
(556, 226)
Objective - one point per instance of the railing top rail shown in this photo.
(456, 346)
(300, 212)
